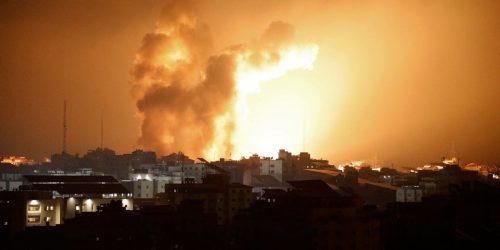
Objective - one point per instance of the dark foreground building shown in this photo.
(312, 214)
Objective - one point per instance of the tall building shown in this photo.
(218, 196)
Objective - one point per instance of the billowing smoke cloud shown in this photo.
(190, 99)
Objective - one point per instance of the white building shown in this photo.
(148, 180)
(51, 199)
(272, 167)
(140, 188)
(169, 174)
(409, 194)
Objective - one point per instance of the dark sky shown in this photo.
(399, 80)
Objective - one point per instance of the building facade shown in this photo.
(218, 196)
(49, 200)
(409, 194)
(272, 167)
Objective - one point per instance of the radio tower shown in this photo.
(102, 132)
(65, 128)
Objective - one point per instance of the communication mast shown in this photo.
(102, 132)
(65, 128)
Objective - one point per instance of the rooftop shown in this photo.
(70, 179)
(64, 184)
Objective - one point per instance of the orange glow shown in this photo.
(249, 77)
(174, 56)
(400, 79)
(17, 160)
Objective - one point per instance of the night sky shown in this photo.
(397, 80)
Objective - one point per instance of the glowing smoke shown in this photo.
(191, 100)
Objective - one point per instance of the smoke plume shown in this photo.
(190, 99)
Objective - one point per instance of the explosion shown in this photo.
(193, 100)
(17, 160)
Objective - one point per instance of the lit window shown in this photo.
(49, 208)
(33, 208)
(77, 208)
(33, 219)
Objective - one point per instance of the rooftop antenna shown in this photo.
(102, 131)
(65, 128)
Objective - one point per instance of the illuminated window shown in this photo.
(47, 219)
(33, 208)
(77, 208)
(33, 219)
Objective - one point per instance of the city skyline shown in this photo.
(402, 91)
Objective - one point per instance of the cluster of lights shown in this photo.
(146, 177)
(115, 195)
(430, 167)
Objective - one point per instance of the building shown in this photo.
(260, 183)
(409, 194)
(311, 215)
(49, 200)
(219, 197)
(272, 167)
(140, 188)
(241, 171)
(10, 181)
(173, 174)
(148, 180)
